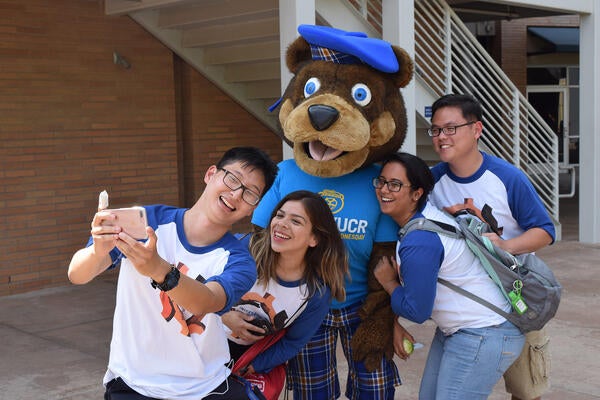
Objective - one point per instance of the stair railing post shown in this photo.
(448, 46)
(516, 130)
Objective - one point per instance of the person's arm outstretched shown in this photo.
(89, 262)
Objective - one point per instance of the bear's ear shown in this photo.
(404, 74)
(297, 53)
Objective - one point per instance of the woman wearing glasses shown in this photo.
(473, 345)
(301, 262)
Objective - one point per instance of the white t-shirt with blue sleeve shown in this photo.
(158, 348)
(424, 256)
(501, 188)
(284, 304)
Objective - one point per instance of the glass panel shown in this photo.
(548, 105)
(545, 75)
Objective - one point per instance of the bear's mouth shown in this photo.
(319, 151)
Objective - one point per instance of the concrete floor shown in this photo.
(55, 342)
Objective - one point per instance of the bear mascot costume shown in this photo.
(341, 113)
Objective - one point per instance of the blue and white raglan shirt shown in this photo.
(500, 188)
(285, 305)
(356, 211)
(158, 348)
(424, 256)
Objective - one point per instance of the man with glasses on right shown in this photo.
(468, 179)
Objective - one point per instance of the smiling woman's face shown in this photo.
(396, 204)
(291, 229)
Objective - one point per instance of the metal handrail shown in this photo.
(449, 59)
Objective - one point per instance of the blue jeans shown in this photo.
(468, 363)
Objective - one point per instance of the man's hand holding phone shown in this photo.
(110, 230)
(131, 220)
(109, 227)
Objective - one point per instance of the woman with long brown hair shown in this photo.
(301, 263)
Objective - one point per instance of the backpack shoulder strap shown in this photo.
(430, 225)
(483, 249)
(470, 231)
(476, 298)
(263, 344)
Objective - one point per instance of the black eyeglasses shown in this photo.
(234, 183)
(447, 130)
(393, 186)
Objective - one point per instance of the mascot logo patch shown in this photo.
(350, 228)
(334, 199)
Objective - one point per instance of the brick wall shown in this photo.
(514, 44)
(73, 123)
(212, 124)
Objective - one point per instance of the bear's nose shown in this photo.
(322, 116)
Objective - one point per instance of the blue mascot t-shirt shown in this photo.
(355, 208)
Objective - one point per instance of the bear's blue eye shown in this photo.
(361, 94)
(311, 86)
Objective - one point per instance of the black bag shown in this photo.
(524, 280)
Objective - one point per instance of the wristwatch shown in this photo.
(171, 280)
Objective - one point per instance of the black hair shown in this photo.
(417, 172)
(254, 158)
(468, 104)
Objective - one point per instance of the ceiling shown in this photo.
(236, 43)
(476, 11)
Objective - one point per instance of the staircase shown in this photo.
(450, 60)
(235, 44)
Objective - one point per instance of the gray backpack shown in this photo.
(525, 280)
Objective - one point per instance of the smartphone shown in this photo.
(133, 220)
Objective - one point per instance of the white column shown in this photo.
(291, 14)
(399, 30)
(589, 135)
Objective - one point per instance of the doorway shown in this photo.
(553, 106)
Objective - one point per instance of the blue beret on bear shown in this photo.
(342, 47)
